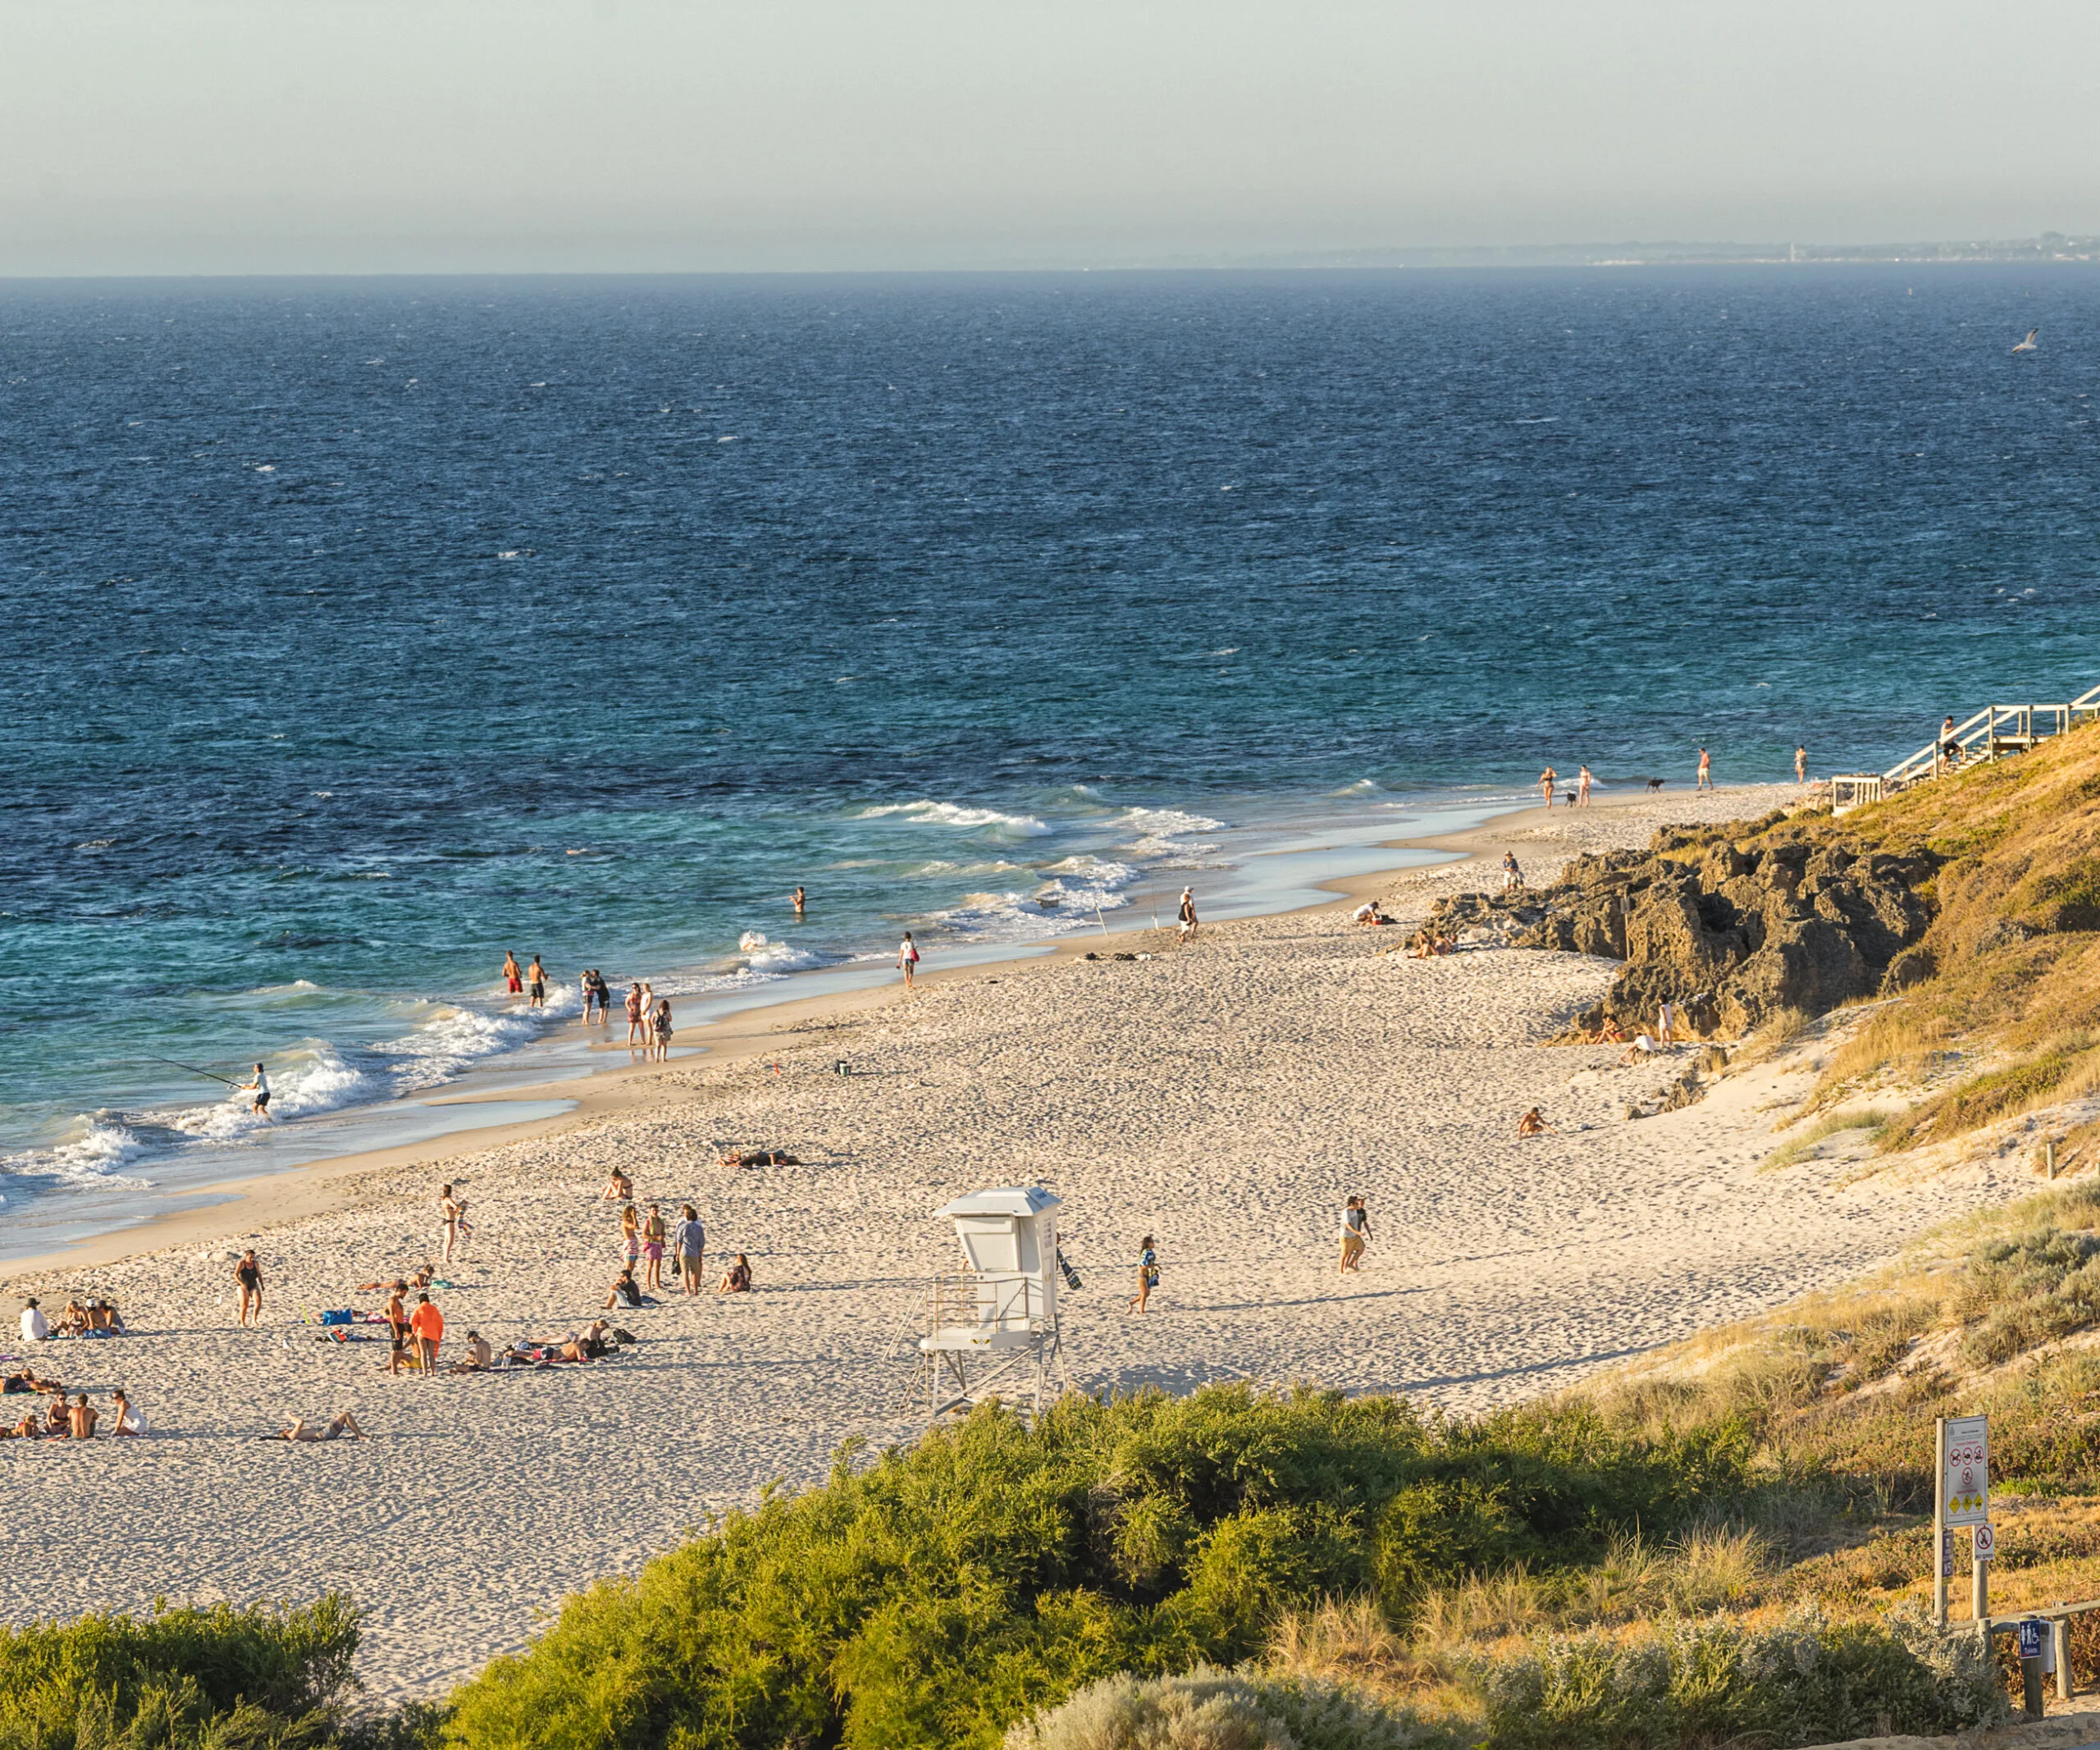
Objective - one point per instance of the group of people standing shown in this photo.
(649, 1027)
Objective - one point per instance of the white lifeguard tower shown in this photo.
(991, 1331)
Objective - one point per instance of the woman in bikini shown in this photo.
(619, 1189)
(630, 1236)
(738, 1280)
(653, 1232)
(452, 1211)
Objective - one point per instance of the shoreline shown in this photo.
(1224, 1097)
(238, 1206)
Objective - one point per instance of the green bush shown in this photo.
(942, 1593)
(220, 1678)
(1211, 1710)
(1803, 1682)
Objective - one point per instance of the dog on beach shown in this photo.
(1654, 783)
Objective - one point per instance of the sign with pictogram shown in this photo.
(1967, 1485)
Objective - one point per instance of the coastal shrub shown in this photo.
(939, 1593)
(215, 1679)
(1802, 1681)
(1212, 1710)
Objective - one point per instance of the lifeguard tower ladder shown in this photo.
(991, 1331)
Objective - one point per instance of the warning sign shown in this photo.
(1966, 1486)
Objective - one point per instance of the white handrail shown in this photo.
(1981, 733)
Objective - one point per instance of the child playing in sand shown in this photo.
(1533, 1123)
(1148, 1275)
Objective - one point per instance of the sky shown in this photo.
(347, 136)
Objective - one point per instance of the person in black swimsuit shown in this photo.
(248, 1273)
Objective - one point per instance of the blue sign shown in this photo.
(2030, 1637)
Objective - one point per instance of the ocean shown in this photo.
(358, 631)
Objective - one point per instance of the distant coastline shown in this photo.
(2049, 246)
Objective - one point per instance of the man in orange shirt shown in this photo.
(428, 1323)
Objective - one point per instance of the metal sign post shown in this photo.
(1942, 1539)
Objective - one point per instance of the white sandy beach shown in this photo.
(1225, 1097)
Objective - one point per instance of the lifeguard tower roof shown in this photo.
(1015, 1199)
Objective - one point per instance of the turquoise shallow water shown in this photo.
(357, 631)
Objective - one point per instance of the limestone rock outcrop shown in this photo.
(1733, 931)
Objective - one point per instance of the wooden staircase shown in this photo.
(1994, 733)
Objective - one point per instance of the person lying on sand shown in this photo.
(342, 1422)
(738, 1280)
(28, 1428)
(27, 1381)
(1533, 1123)
(619, 1189)
(757, 1158)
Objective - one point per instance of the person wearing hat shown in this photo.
(35, 1326)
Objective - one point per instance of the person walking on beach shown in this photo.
(249, 1274)
(653, 1232)
(1706, 771)
(1801, 764)
(1356, 1234)
(1582, 787)
(1148, 1275)
(452, 1212)
(538, 975)
(691, 1242)
(907, 958)
(1547, 779)
(512, 980)
(260, 1088)
(428, 1325)
(1189, 921)
(634, 1014)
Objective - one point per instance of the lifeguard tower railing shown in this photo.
(971, 1311)
(1992, 733)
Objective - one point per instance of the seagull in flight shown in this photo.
(2028, 344)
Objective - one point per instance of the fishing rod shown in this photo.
(195, 1070)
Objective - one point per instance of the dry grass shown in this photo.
(2015, 946)
(1821, 1131)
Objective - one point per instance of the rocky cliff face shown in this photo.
(1732, 931)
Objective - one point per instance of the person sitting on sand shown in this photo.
(73, 1321)
(480, 1357)
(1611, 1033)
(1641, 1048)
(1369, 913)
(125, 1421)
(626, 1291)
(738, 1280)
(619, 1189)
(342, 1422)
(58, 1419)
(1533, 1123)
(104, 1318)
(83, 1419)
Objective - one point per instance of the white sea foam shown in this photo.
(766, 955)
(1167, 823)
(89, 1159)
(949, 813)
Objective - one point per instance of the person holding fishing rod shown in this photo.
(259, 1088)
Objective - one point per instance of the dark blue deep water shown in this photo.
(356, 631)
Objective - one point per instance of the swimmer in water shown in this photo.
(798, 902)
